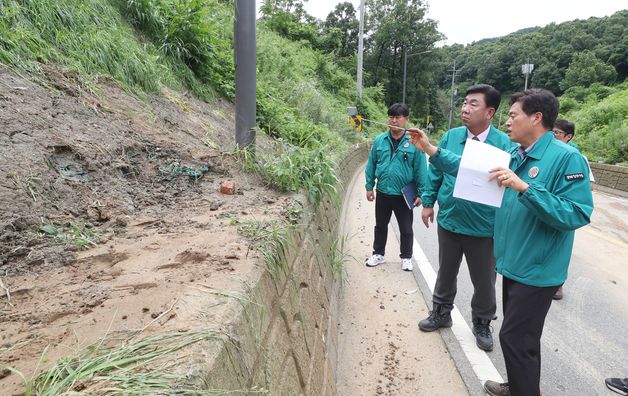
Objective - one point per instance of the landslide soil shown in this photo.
(111, 217)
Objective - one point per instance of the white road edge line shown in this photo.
(480, 362)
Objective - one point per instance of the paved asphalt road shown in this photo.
(586, 334)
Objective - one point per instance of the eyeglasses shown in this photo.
(558, 132)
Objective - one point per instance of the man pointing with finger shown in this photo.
(547, 197)
(465, 227)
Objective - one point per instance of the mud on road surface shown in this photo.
(381, 349)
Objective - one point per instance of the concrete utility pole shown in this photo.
(405, 68)
(245, 79)
(453, 95)
(360, 49)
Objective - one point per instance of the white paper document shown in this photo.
(472, 181)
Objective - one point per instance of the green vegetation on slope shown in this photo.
(88, 37)
(192, 32)
(187, 44)
(601, 117)
(302, 100)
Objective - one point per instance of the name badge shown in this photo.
(574, 176)
(533, 172)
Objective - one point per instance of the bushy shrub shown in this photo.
(602, 126)
(568, 104)
(309, 169)
(609, 145)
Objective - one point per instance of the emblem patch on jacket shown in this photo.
(574, 176)
(533, 172)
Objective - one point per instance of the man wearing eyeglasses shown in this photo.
(393, 164)
(564, 131)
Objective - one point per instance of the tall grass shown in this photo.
(83, 35)
(271, 240)
(90, 37)
(339, 257)
(195, 32)
(137, 367)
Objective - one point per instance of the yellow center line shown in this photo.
(606, 237)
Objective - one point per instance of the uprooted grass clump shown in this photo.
(82, 236)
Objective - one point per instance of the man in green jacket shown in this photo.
(547, 198)
(394, 163)
(564, 131)
(465, 227)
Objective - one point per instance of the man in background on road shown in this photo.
(547, 198)
(564, 131)
(394, 163)
(465, 227)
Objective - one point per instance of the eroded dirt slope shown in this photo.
(135, 182)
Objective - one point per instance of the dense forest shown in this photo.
(576, 53)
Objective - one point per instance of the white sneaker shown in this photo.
(374, 260)
(406, 264)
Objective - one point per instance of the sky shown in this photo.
(464, 22)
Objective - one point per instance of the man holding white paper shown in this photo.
(466, 227)
(472, 182)
(547, 198)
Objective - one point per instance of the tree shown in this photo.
(399, 27)
(343, 23)
(294, 7)
(289, 19)
(586, 69)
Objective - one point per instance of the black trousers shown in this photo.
(385, 205)
(525, 309)
(479, 254)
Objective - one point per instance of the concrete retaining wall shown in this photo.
(611, 176)
(285, 338)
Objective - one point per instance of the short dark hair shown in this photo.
(537, 100)
(492, 97)
(398, 109)
(566, 126)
